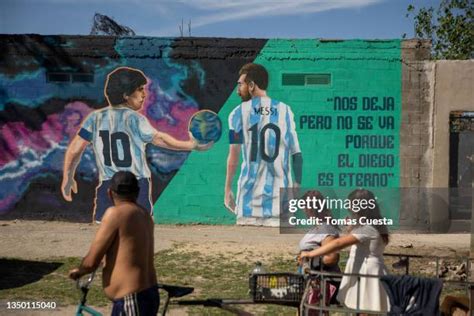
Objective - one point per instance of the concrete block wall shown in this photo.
(430, 91)
(415, 131)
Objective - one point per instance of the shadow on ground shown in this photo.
(17, 273)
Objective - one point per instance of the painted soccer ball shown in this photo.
(205, 126)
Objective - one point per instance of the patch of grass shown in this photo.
(56, 286)
(216, 276)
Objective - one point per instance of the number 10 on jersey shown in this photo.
(258, 140)
(111, 149)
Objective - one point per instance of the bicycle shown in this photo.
(280, 288)
(172, 290)
(262, 294)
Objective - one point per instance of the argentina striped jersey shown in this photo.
(266, 130)
(119, 136)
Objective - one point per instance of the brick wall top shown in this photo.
(416, 50)
(192, 48)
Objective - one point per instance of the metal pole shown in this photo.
(358, 292)
(471, 296)
(324, 291)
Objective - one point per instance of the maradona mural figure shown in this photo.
(119, 134)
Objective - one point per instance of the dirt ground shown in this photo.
(37, 240)
(43, 240)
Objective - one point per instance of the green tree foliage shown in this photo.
(450, 28)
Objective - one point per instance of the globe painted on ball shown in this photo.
(205, 126)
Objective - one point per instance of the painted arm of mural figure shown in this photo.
(107, 232)
(71, 160)
(167, 141)
(297, 164)
(232, 163)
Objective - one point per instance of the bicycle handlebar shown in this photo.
(87, 283)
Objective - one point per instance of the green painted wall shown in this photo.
(360, 70)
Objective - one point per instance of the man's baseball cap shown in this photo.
(124, 182)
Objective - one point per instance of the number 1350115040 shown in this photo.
(31, 305)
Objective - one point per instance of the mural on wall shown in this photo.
(263, 129)
(345, 96)
(118, 135)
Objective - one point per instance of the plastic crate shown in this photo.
(277, 287)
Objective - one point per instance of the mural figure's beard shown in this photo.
(246, 97)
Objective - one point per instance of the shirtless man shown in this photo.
(125, 237)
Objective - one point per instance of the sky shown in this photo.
(329, 19)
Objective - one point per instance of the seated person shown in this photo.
(318, 236)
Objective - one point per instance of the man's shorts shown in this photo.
(144, 303)
(103, 202)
